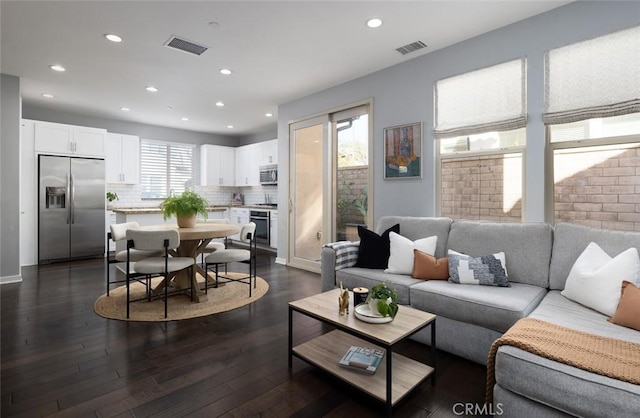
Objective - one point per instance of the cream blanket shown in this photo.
(606, 356)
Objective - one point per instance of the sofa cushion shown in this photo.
(570, 240)
(486, 270)
(628, 311)
(427, 267)
(596, 278)
(496, 308)
(374, 248)
(401, 252)
(419, 227)
(527, 246)
(361, 277)
(564, 387)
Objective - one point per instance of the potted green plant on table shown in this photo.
(383, 300)
(185, 207)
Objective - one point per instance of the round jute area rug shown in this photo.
(230, 295)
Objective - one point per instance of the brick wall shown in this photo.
(351, 183)
(598, 187)
(487, 188)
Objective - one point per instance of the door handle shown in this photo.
(73, 196)
(67, 198)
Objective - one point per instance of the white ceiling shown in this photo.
(278, 51)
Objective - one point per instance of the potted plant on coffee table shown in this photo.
(383, 300)
(185, 207)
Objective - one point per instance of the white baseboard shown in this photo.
(280, 260)
(11, 279)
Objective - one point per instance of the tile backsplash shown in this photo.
(129, 196)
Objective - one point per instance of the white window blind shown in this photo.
(594, 79)
(165, 167)
(490, 99)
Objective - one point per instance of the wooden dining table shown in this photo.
(192, 243)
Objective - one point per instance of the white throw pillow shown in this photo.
(401, 252)
(595, 280)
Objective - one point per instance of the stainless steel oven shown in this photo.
(263, 225)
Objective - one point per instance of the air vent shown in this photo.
(185, 46)
(414, 46)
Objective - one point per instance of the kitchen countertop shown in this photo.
(151, 210)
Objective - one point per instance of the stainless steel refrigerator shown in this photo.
(71, 208)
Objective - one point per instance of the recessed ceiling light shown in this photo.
(125, 109)
(185, 119)
(47, 95)
(230, 126)
(151, 89)
(113, 38)
(374, 22)
(225, 71)
(219, 104)
(169, 108)
(57, 67)
(268, 115)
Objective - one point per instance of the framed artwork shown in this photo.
(403, 151)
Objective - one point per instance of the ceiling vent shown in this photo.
(185, 46)
(408, 48)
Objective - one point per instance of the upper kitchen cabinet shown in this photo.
(122, 159)
(217, 165)
(248, 161)
(270, 152)
(57, 138)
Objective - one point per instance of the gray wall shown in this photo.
(404, 93)
(10, 192)
(267, 134)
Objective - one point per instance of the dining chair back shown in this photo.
(214, 245)
(162, 241)
(228, 255)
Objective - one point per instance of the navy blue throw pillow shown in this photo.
(374, 248)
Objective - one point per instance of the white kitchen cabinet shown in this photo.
(57, 138)
(122, 159)
(269, 152)
(273, 231)
(218, 214)
(217, 165)
(238, 217)
(248, 159)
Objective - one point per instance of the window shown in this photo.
(593, 118)
(480, 127)
(165, 168)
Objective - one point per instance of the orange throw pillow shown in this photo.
(427, 267)
(628, 311)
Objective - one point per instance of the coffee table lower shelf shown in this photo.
(326, 351)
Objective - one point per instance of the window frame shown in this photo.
(522, 149)
(168, 145)
(550, 200)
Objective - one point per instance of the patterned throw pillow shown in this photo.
(486, 270)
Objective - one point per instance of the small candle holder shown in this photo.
(360, 295)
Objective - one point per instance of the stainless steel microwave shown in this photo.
(269, 174)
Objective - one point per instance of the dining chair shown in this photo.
(144, 269)
(118, 233)
(229, 255)
(214, 245)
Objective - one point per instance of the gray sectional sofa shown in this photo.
(539, 258)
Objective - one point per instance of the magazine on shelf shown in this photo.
(362, 359)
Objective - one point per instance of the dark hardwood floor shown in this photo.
(60, 359)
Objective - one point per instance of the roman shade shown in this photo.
(489, 99)
(593, 79)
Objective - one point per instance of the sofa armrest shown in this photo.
(335, 256)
